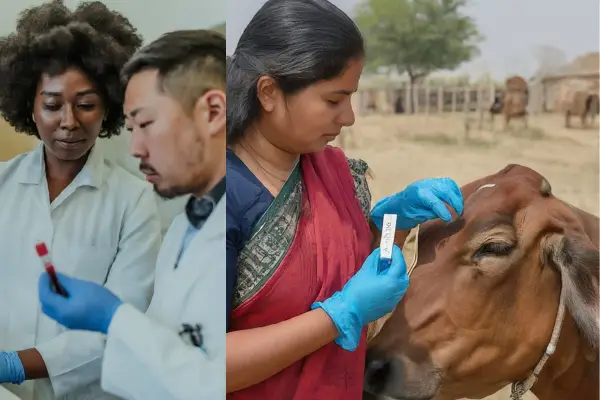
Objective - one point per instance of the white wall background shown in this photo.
(152, 18)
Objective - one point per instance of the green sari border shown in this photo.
(270, 240)
(279, 201)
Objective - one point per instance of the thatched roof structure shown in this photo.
(588, 63)
(585, 66)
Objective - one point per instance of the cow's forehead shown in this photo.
(487, 185)
(510, 195)
(505, 197)
(480, 192)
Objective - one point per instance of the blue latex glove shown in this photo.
(11, 368)
(373, 292)
(420, 202)
(89, 307)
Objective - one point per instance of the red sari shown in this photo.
(331, 242)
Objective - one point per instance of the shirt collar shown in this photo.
(217, 191)
(198, 210)
(33, 168)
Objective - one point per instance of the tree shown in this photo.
(417, 36)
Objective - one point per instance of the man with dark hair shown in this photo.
(175, 108)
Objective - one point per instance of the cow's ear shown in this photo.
(577, 260)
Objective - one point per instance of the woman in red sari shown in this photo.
(302, 281)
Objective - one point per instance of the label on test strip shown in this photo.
(387, 236)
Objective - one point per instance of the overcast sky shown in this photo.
(511, 29)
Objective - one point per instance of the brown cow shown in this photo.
(512, 103)
(482, 302)
(584, 104)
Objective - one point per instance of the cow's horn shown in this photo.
(545, 188)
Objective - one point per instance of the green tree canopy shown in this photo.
(417, 36)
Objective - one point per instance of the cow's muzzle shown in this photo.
(399, 378)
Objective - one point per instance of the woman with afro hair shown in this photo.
(59, 81)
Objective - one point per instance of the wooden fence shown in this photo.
(429, 99)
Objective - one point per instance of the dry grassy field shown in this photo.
(402, 149)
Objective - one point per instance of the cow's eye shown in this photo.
(494, 249)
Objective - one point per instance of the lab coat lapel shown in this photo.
(174, 285)
(171, 246)
(194, 261)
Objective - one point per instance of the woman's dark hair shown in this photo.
(295, 42)
(50, 39)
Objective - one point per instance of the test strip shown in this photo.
(42, 252)
(387, 236)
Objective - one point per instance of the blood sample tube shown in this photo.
(42, 252)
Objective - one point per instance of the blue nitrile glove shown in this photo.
(11, 368)
(420, 202)
(373, 292)
(89, 307)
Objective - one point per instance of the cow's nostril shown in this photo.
(377, 374)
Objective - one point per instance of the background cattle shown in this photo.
(511, 102)
(583, 104)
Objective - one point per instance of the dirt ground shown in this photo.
(402, 149)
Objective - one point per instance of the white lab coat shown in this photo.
(104, 228)
(145, 358)
(5, 394)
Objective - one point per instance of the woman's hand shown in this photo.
(88, 307)
(373, 292)
(419, 202)
(254, 355)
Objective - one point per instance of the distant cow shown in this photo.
(506, 293)
(512, 103)
(584, 104)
